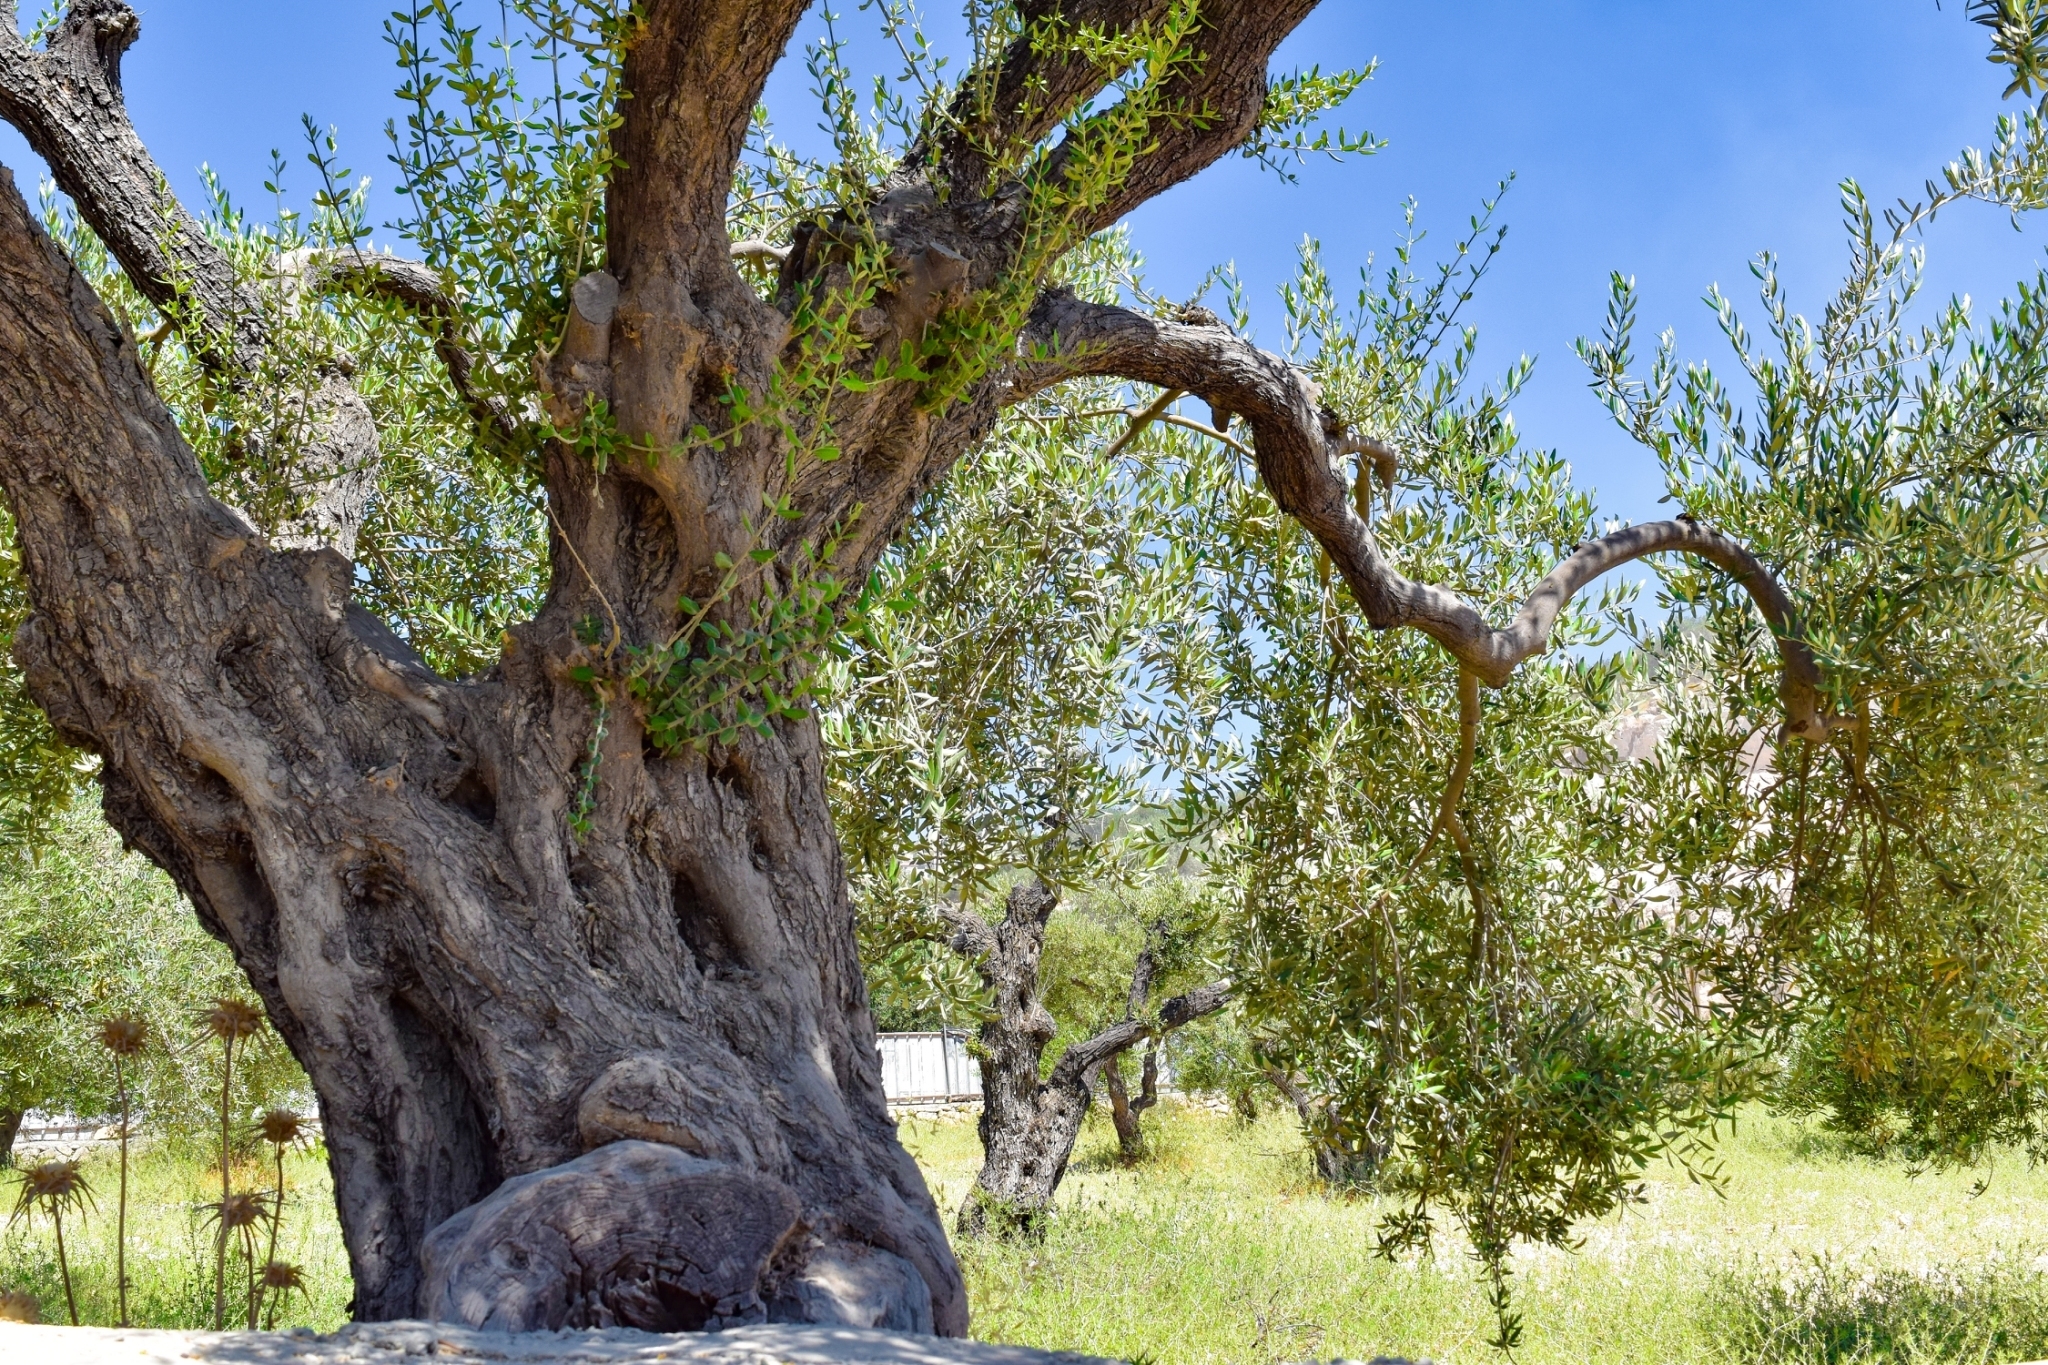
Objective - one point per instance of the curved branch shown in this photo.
(1299, 447)
(66, 101)
(419, 289)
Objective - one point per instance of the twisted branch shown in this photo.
(1299, 447)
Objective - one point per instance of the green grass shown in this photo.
(170, 1243)
(1221, 1249)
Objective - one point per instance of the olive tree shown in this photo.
(546, 897)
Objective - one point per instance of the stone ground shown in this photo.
(390, 1343)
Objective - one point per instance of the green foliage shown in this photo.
(1499, 1016)
(1887, 883)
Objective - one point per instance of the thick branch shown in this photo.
(66, 101)
(692, 77)
(1036, 82)
(1210, 107)
(1182, 1010)
(1299, 447)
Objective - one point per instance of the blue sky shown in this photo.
(1669, 141)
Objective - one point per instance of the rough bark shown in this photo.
(1029, 1125)
(1126, 1111)
(10, 1127)
(480, 988)
(387, 853)
(66, 100)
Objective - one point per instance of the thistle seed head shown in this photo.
(124, 1035)
(240, 1211)
(282, 1277)
(18, 1305)
(281, 1126)
(55, 1187)
(231, 1019)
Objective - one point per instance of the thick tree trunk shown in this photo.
(10, 1126)
(475, 994)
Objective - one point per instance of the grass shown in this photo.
(170, 1243)
(1220, 1249)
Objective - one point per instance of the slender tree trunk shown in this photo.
(1125, 1109)
(1337, 1164)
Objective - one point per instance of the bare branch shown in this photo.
(754, 249)
(66, 101)
(1299, 447)
(1119, 1037)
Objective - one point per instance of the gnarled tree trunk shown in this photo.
(1029, 1125)
(1127, 1111)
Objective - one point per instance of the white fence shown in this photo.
(928, 1068)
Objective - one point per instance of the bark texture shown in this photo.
(10, 1127)
(1029, 1125)
(66, 101)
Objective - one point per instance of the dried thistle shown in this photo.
(232, 1020)
(280, 1279)
(239, 1211)
(124, 1035)
(55, 1188)
(18, 1305)
(281, 1127)
(236, 1214)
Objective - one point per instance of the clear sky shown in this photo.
(1671, 141)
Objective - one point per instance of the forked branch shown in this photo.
(1299, 447)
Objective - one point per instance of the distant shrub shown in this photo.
(1829, 1312)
